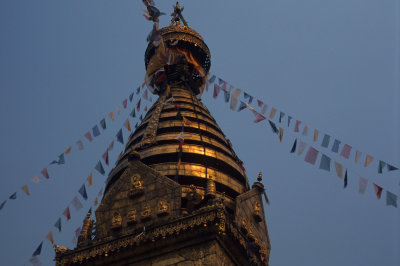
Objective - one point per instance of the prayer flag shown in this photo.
(325, 163)
(131, 97)
(25, 189)
(211, 80)
(362, 185)
(127, 125)
(221, 81)
(67, 213)
(260, 117)
(96, 131)
(61, 159)
(38, 250)
(311, 156)
(391, 199)
(145, 95)
(378, 191)
(88, 136)
(368, 160)
(185, 120)
(79, 143)
(82, 191)
(58, 224)
(45, 173)
(133, 114)
(294, 146)
(78, 231)
(145, 108)
(76, 203)
(111, 115)
(305, 131)
(36, 179)
(260, 103)
(118, 109)
(281, 115)
(296, 128)
(105, 157)
(245, 95)
(138, 105)
(103, 123)
(227, 95)
(357, 157)
(95, 202)
(111, 146)
(345, 180)
(288, 120)
(90, 180)
(335, 147)
(216, 90)
(120, 137)
(180, 136)
(68, 150)
(339, 169)
(138, 90)
(141, 118)
(273, 126)
(242, 106)
(302, 147)
(125, 103)
(325, 141)
(264, 109)
(250, 100)
(180, 144)
(179, 115)
(381, 165)
(280, 133)
(99, 168)
(13, 196)
(316, 133)
(2, 204)
(346, 151)
(391, 167)
(272, 113)
(49, 236)
(100, 193)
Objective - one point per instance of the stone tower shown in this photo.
(178, 195)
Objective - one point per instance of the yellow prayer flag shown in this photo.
(49, 236)
(111, 115)
(119, 109)
(95, 202)
(127, 125)
(339, 169)
(67, 151)
(280, 134)
(316, 132)
(25, 189)
(368, 160)
(272, 114)
(90, 180)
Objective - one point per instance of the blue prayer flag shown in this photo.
(325, 141)
(391, 199)
(120, 137)
(38, 250)
(13, 196)
(325, 163)
(96, 131)
(82, 191)
(58, 224)
(335, 147)
(103, 123)
(241, 106)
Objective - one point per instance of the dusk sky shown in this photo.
(334, 65)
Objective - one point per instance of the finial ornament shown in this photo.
(259, 178)
(177, 16)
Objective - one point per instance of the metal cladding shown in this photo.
(205, 153)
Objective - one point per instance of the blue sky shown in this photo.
(333, 65)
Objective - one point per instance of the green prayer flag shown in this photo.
(133, 113)
(325, 163)
(382, 164)
(58, 224)
(99, 168)
(325, 141)
(391, 199)
(179, 115)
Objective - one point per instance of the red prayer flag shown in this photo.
(181, 144)
(378, 191)
(216, 90)
(88, 136)
(125, 103)
(346, 151)
(296, 128)
(67, 214)
(105, 157)
(138, 105)
(260, 103)
(311, 156)
(45, 173)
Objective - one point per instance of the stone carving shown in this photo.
(257, 212)
(162, 208)
(146, 213)
(131, 217)
(116, 222)
(136, 188)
